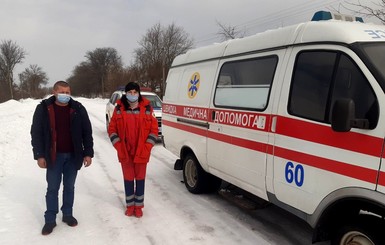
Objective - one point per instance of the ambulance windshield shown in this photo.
(375, 52)
(156, 103)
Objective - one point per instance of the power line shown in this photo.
(274, 19)
(298, 9)
(287, 14)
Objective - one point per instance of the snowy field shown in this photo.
(171, 214)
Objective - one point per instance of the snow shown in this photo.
(172, 215)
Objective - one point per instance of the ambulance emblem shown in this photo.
(193, 85)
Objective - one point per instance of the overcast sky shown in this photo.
(56, 34)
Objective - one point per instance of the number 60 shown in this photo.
(294, 173)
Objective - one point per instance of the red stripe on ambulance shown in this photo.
(290, 127)
(325, 135)
(357, 172)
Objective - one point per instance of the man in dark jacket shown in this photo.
(62, 142)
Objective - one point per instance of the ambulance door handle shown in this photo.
(273, 124)
(218, 127)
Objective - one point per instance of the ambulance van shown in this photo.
(295, 116)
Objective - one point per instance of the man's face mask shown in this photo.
(63, 98)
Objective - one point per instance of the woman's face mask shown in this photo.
(132, 98)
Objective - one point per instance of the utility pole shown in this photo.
(163, 71)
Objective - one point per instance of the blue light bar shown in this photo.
(326, 15)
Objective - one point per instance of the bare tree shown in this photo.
(227, 32)
(158, 47)
(377, 10)
(175, 42)
(32, 79)
(10, 55)
(103, 62)
(103, 71)
(82, 80)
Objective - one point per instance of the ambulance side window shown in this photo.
(245, 83)
(322, 77)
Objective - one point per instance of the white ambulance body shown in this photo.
(294, 116)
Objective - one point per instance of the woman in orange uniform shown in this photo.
(133, 131)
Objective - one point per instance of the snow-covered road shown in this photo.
(171, 215)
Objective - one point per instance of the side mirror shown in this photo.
(342, 113)
(343, 116)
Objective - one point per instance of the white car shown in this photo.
(156, 104)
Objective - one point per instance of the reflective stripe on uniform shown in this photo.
(152, 138)
(114, 138)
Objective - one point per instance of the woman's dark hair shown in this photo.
(130, 86)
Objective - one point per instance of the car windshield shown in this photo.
(156, 103)
(375, 52)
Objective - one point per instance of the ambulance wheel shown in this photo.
(366, 230)
(195, 178)
(214, 183)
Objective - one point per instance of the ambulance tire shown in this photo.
(214, 183)
(366, 230)
(194, 177)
